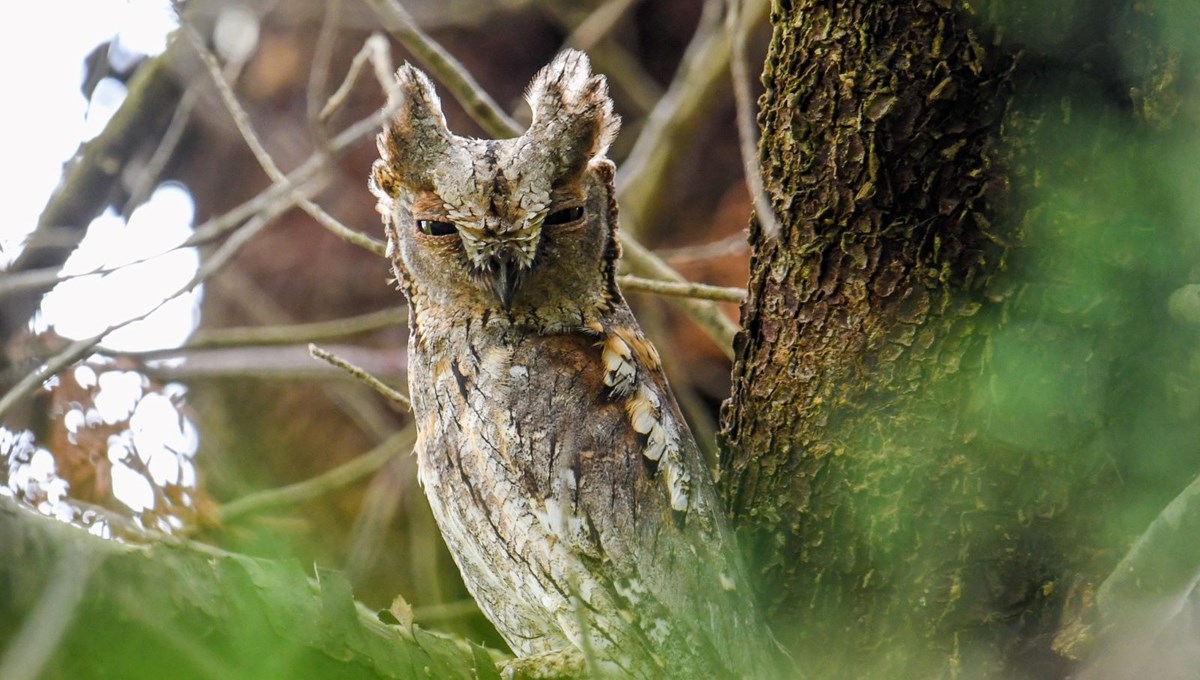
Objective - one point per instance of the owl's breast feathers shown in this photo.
(572, 496)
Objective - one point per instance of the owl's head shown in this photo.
(515, 225)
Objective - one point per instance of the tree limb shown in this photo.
(90, 178)
(1163, 562)
(336, 478)
(696, 291)
(179, 608)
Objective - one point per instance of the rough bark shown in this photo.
(928, 385)
(99, 608)
(880, 147)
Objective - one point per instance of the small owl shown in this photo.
(560, 471)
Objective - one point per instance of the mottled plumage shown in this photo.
(561, 473)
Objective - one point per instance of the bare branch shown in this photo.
(285, 362)
(698, 291)
(598, 24)
(356, 401)
(734, 244)
(706, 313)
(475, 100)
(242, 120)
(301, 179)
(89, 179)
(286, 334)
(671, 125)
(360, 375)
(609, 56)
(738, 25)
(376, 51)
(340, 476)
(318, 74)
(240, 117)
(278, 196)
(80, 348)
(335, 226)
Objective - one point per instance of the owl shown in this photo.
(562, 476)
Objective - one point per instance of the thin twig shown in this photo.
(360, 375)
(671, 125)
(80, 348)
(277, 195)
(375, 51)
(289, 362)
(734, 244)
(337, 478)
(478, 104)
(706, 313)
(148, 178)
(609, 56)
(598, 24)
(318, 75)
(357, 402)
(285, 334)
(299, 179)
(242, 120)
(739, 25)
(698, 291)
(335, 226)
(44, 279)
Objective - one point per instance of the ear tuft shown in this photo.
(417, 136)
(572, 110)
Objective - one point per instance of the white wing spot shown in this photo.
(643, 410)
(620, 372)
(677, 480)
(656, 442)
(645, 415)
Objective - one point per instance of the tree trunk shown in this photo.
(930, 387)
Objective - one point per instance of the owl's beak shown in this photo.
(504, 280)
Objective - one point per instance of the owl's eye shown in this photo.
(564, 216)
(435, 228)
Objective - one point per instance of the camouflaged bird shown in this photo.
(563, 478)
